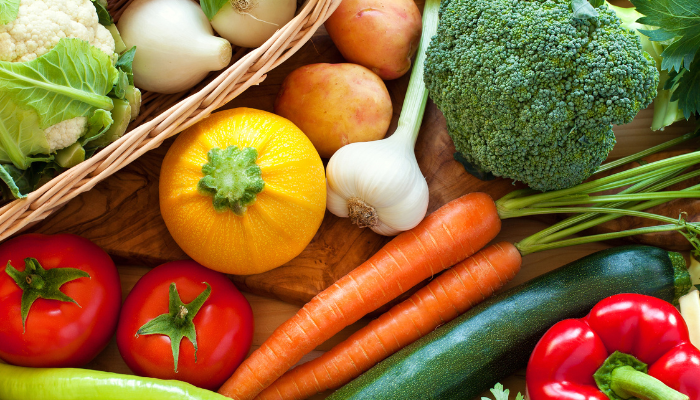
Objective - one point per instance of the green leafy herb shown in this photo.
(687, 88)
(676, 19)
(71, 80)
(8, 11)
(678, 23)
(211, 7)
(500, 394)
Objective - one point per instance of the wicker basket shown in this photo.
(163, 116)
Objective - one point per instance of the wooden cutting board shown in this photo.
(122, 215)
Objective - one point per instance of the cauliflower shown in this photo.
(38, 27)
(86, 99)
(40, 24)
(65, 133)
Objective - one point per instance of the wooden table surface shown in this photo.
(121, 215)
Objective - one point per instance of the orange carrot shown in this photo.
(449, 235)
(443, 299)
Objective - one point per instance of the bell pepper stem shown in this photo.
(628, 382)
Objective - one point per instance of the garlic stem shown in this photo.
(379, 184)
(416, 95)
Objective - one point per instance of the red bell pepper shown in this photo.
(605, 354)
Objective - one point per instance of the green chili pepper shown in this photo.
(20, 383)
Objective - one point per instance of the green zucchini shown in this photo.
(463, 358)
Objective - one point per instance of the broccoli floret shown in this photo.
(529, 92)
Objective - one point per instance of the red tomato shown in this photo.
(58, 333)
(223, 325)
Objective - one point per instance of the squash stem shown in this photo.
(417, 96)
(232, 178)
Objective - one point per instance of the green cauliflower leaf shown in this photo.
(8, 11)
(20, 135)
(71, 80)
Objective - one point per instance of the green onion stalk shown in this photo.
(643, 188)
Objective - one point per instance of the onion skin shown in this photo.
(176, 46)
(241, 29)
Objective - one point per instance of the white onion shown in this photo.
(175, 45)
(249, 23)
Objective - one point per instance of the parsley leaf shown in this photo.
(687, 89)
(500, 394)
(678, 23)
(678, 19)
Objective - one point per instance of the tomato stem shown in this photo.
(177, 323)
(39, 283)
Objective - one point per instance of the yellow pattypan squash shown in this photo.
(242, 191)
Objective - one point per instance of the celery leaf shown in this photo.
(71, 80)
(8, 11)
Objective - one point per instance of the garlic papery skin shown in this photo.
(385, 176)
(379, 184)
(249, 23)
(175, 45)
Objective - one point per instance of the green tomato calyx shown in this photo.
(177, 322)
(232, 177)
(39, 283)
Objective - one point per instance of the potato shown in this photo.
(381, 35)
(335, 104)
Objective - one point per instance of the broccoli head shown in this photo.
(529, 91)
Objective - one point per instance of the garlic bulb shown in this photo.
(176, 46)
(379, 184)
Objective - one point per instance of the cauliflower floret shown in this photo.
(65, 133)
(40, 24)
